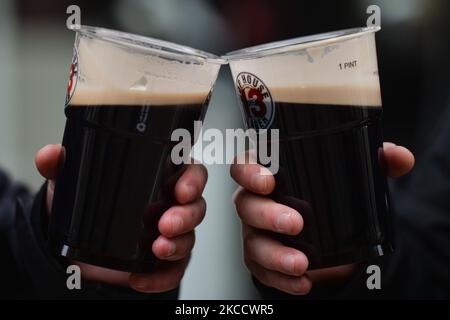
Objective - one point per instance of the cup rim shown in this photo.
(299, 43)
(161, 47)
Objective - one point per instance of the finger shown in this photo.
(246, 229)
(181, 219)
(333, 275)
(166, 277)
(253, 177)
(99, 274)
(174, 248)
(289, 284)
(274, 256)
(48, 160)
(399, 160)
(191, 184)
(50, 192)
(264, 213)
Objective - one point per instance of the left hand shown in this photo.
(176, 226)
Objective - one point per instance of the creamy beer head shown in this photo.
(117, 68)
(339, 71)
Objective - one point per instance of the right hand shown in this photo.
(272, 263)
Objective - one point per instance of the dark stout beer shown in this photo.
(117, 177)
(331, 172)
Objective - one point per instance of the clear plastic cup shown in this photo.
(126, 96)
(322, 93)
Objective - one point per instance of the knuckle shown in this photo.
(234, 169)
(237, 196)
(203, 207)
(199, 170)
(275, 260)
(247, 262)
(241, 200)
(185, 247)
(268, 217)
(205, 172)
(249, 244)
(189, 215)
(191, 240)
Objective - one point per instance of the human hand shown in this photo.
(272, 263)
(176, 226)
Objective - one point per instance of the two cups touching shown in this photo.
(127, 94)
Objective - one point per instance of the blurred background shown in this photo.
(36, 51)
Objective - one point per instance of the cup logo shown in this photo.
(256, 100)
(73, 77)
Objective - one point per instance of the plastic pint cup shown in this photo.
(322, 93)
(126, 96)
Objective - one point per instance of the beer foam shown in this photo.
(114, 74)
(349, 95)
(344, 73)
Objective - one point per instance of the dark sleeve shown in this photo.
(419, 267)
(28, 270)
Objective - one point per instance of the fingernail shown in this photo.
(191, 191)
(258, 182)
(138, 283)
(284, 222)
(297, 286)
(171, 250)
(177, 224)
(300, 286)
(288, 263)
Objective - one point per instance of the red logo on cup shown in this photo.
(73, 77)
(256, 101)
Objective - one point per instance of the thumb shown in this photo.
(398, 160)
(48, 160)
